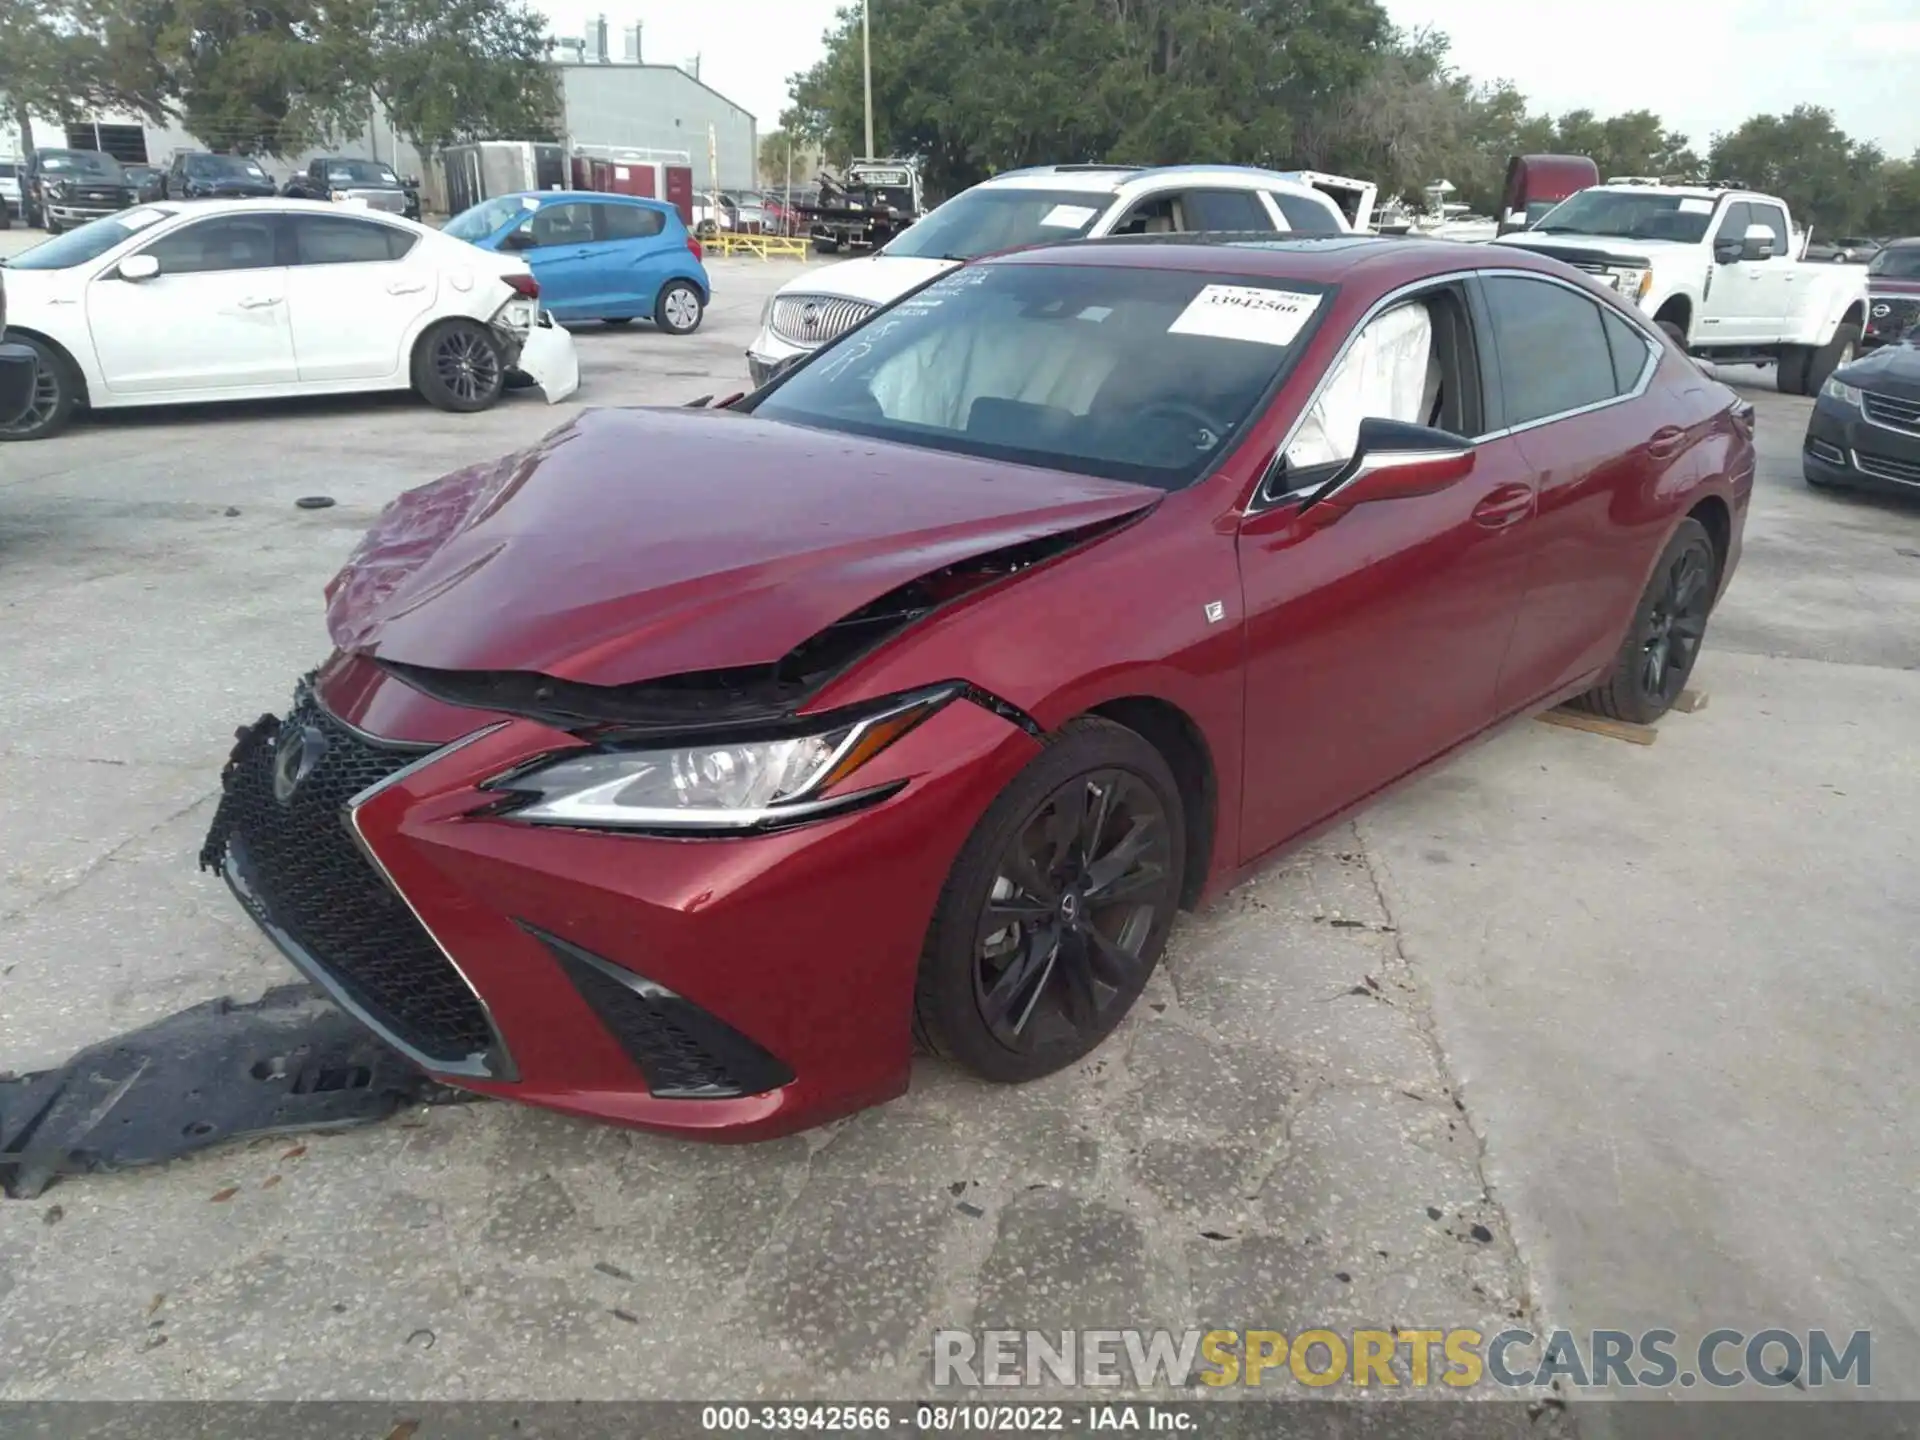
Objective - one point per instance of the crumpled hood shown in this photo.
(877, 279)
(634, 544)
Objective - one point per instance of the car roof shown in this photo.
(1123, 179)
(1387, 260)
(549, 196)
(280, 205)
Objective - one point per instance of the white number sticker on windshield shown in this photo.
(1693, 205)
(1068, 217)
(1247, 312)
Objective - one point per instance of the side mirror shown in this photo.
(139, 267)
(1757, 243)
(1392, 461)
(1727, 252)
(521, 239)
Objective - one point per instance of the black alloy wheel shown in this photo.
(458, 367)
(56, 391)
(1058, 908)
(1668, 627)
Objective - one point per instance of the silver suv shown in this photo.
(1042, 205)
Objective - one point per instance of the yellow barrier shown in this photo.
(767, 247)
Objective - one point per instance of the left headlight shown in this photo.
(1839, 390)
(1632, 283)
(722, 784)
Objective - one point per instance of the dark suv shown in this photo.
(63, 188)
(202, 175)
(338, 177)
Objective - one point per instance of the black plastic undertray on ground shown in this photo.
(221, 1071)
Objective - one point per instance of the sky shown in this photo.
(1703, 67)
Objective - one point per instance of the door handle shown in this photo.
(259, 302)
(1666, 442)
(405, 287)
(1504, 505)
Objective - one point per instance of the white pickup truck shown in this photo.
(1718, 269)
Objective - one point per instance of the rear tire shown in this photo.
(457, 366)
(1081, 860)
(680, 308)
(1841, 350)
(56, 394)
(826, 247)
(1790, 378)
(1668, 628)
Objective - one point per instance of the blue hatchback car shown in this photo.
(598, 257)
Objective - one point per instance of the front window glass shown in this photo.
(986, 220)
(1631, 214)
(1897, 263)
(483, 219)
(88, 242)
(1130, 373)
(225, 167)
(80, 164)
(359, 172)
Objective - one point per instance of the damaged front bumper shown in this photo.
(724, 988)
(547, 357)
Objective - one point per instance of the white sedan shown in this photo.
(249, 299)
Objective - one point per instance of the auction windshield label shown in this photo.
(1247, 312)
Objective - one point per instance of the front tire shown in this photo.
(1673, 332)
(1057, 909)
(680, 308)
(1841, 350)
(1669, 624)
(56, 394)
(1792, 372)
(457, 366)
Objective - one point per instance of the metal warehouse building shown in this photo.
(660, 107)
(623, 104)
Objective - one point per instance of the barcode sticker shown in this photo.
(1247, 312)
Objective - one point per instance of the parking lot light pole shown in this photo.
(866, 66)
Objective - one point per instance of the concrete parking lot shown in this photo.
(1572, 1032)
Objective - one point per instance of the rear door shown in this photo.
(1577, 397)
(355, 289)
(214, 318)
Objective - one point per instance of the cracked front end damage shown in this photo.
(657, 585)
(726, 987)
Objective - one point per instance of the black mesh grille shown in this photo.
(1902, 314)
(685, 1052)
(310, 878)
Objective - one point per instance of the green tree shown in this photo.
(56, 61)
(1828, 178)
(972, 87)
(449, 71)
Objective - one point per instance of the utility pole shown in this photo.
(866, 66)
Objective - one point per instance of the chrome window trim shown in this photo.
(1263, 499)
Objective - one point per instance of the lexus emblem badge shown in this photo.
(296, 757)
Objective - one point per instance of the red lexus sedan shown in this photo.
(687, 768)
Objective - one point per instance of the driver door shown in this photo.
(559, 244)
(1375, 644)
(214, 318)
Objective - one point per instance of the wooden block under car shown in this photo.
(1600, 725)
(1691, 702)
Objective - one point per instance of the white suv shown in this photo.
(1033, 207)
